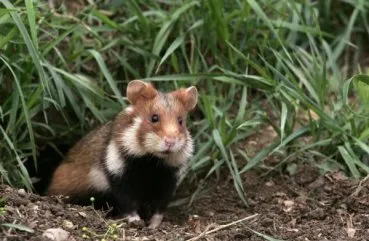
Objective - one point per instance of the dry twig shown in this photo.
(222, 227)
(359, 187)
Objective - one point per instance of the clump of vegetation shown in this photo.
(63, 73)
(111, 232)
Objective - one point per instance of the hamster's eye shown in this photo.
(180, 121)
(154, 118)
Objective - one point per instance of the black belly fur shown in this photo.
(146, 185)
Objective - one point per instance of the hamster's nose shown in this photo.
(169, 142)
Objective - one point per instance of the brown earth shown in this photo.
(306, 206)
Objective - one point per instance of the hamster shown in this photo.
(135, 160)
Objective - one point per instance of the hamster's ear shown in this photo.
(139, 90)
(188, 97)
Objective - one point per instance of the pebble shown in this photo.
(68, 224)
(57, 234)
(22, 192)
(269, 184)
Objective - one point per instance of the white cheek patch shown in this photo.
(113, 160)
(129, 139)
(98, 179)
(181, 157)
(179, 145)
(182, 160)
(153, 143)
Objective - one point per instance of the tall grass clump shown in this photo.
(64, 72)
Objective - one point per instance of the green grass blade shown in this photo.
(4, 174)
(176, 43)
(163, 34)
(295, 135)
(108, 76)
(259, 11)
(4, 40)
(23, 170)
(160, 40)
(106, 19)
(266, 237)
(32, 21)
(19, 227)
(346, 36)
(13, 111)
(139, 14)
(27, 40)
(217, 17)
(264, 153)
(349, 160)
(59, 83)
(81, 82)
(236, 178)
(243, 104)
(25, 110)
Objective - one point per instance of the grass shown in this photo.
(62, 74)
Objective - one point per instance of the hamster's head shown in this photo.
(159, 120)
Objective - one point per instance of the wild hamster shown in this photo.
(135, 159)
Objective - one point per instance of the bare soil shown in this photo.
(305, 206)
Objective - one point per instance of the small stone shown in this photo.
(288, 203)
(57, 234)
(269, 184)
(68, 224)
(22, 192)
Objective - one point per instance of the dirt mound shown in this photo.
(304, 207)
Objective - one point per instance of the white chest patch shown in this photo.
(113, 159)
(98, 179)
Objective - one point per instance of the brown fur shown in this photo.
(168, 118)
(148, 101)
(71, 177)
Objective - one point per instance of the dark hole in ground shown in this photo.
(49, 158)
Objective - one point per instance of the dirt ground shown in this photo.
(306, 206)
